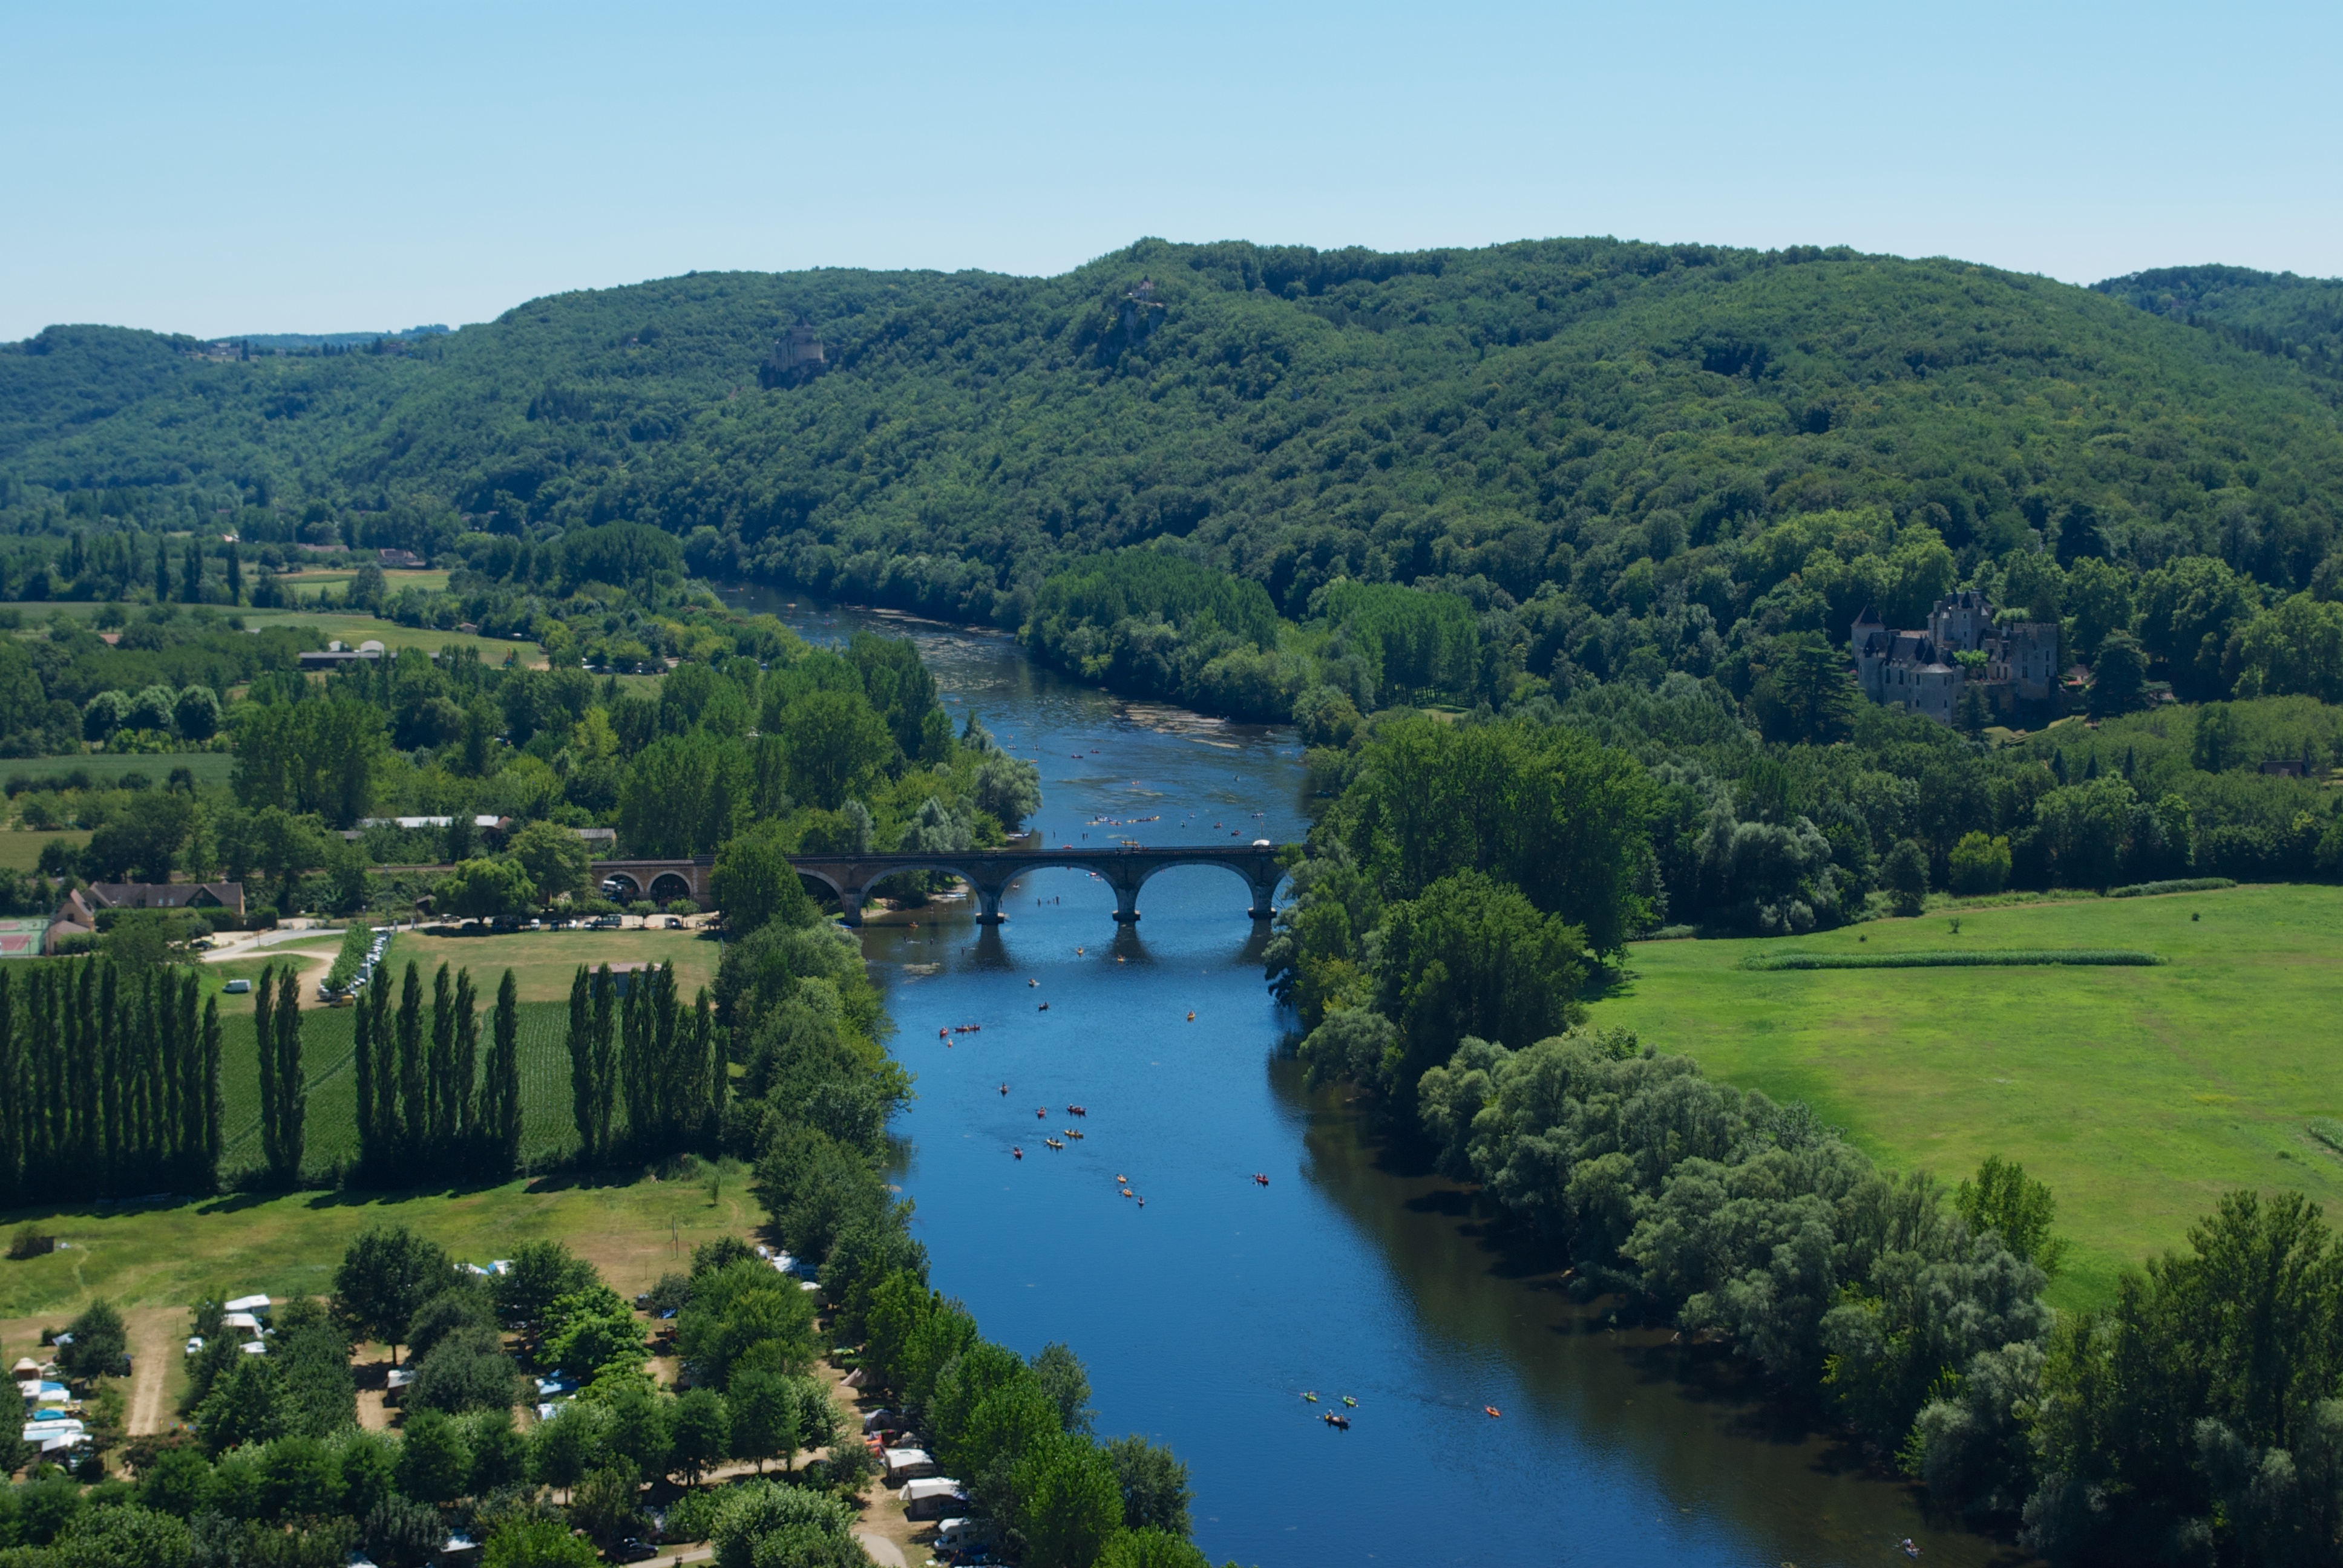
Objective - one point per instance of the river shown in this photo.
(1207, 1313)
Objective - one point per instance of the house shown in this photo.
(399, 560)
(228, 896)
(73, 917)
(1924, 669)
(605, 839)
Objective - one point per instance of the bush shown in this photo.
(1905, 877)
(683, 906)
(2180, 885)
(30, 1242)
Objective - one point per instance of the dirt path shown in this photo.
(153, 1335)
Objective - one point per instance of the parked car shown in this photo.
(633, 1551)
(674, 923)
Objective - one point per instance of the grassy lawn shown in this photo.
(2139, 1094)
(543, 962)
(168, 1255)
(22, 851)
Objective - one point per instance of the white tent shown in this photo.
(241, 1320)
(932, 1497)
(907, 1463)
(247, 1304)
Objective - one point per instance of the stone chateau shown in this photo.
(1921, 670)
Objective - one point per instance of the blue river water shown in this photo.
(1207, 1313)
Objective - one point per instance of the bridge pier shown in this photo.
(1126, 905)
(988, 904)
(1264, 894)
(849, 903)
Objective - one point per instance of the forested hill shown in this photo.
(1609, 428)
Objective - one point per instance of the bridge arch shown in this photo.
(627, 890)
(667, 887)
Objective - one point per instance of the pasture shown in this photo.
(166, 1255)
(21, 852)
(2140, 1095)
(105, 768)
(542, 962)
(352, 629)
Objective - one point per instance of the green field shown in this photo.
(105, 768)
(2139, 1094)
(22, 851)
(543, 963)
(354, 630)
(168, 1255)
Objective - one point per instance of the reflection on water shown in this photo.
(1206, 1315)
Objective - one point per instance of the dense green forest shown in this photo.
(1617, 458)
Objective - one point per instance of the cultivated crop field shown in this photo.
(2140, 1095)
(105, 768)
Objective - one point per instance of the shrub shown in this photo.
(2179, 885)
(31, 1241)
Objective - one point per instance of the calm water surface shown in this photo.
(1205, 1315)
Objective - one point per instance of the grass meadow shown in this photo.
(168, 1255)
(542, 962)
(2140, 1095)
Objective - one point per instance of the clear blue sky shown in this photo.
(355, 167)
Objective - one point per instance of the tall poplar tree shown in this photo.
(464, 1064)
(501, 1095)
(292, 1090)
(582, 1064)
(606, 1064)
(362, 1067)
(263, 1033)
(443, 1053)
(413, 1096)
(214, 1104)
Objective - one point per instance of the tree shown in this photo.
(540, 1272)
(99, 1342)
(2003, 1198)
(283, 1041)
(835, 743)
(1067, 1383)
(385, 1277)
(1905, 875)
(1155, 1492)
(2118, 676)
(570, 1446)
(434, 1459)
(1980, 864)
(764, 1417)
(1070, 1503)
(555, 858)
(1805, 693)
(500, 1112)
(523, 1541)
(485, 887)
(1472, 956)
(700, 1437)
(754, 882)
(604, 1504)
(1010, 788)
(467, 1370)
(1152, 1549)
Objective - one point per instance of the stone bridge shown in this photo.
(990, 873)
(661, 881)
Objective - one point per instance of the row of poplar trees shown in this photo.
(426, 1109)
(284, 1087)
(636, 1041)
(109, 1085)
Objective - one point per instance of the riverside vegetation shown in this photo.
(1453, 902)
(278, 1470)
